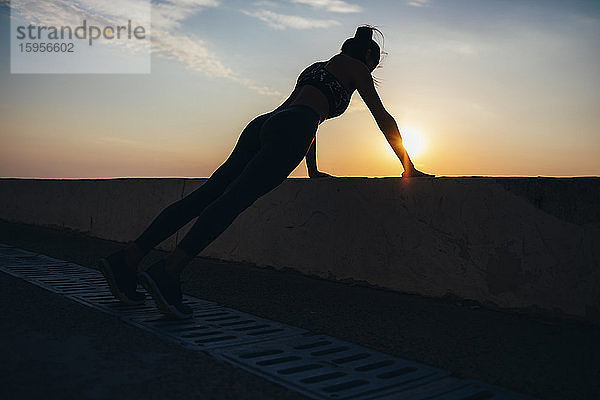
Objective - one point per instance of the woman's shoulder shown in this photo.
(340, 60)
(348, 66)
(348, 60)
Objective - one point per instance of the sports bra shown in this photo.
(316, 75)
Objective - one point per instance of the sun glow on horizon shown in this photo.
(413, 141)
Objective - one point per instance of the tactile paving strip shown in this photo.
(466, 389)
(329, 368)
(211, 327)
(319, 366)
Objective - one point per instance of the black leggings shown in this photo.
(267, 151)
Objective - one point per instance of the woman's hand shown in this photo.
(319, 174)
(415, 173)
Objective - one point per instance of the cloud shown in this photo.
(168, 40)
(190, 51)
(65, 12)
(338, 6)
(265, 3)
(168, 14)
(94, 12)
(283, 21)
(419, 3)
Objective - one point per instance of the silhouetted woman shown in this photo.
(267, 151)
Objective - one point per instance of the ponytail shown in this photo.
(358, 45)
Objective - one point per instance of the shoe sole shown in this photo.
(162, 304)
(106, 270)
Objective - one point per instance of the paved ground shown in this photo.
(540, 356)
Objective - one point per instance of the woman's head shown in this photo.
(363, 47)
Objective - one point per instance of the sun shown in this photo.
(413, 141)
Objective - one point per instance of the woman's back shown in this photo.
(346, 69)
(327, 86)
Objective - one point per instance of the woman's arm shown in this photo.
(387, 125)
(385, 121)
(311, 161)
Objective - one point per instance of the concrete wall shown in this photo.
(509, 242)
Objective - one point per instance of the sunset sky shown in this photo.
(478, 87)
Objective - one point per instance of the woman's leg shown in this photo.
(176, 215)
(285, 139)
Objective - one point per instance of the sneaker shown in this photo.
(165, 291)
(122, 280)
